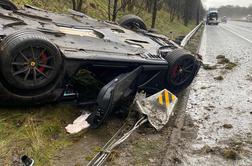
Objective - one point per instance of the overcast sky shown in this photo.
(218, 3)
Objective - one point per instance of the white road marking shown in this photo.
(237, 34)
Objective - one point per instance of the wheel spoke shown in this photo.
(25, 58)
(188, 67)
(20, 72)
(178, 77)
(42, 52)
(46, 66)
(33, 55)
(41, 72)
(27, 74)
(51, 57)
(19, 63)
(187, 71)
(34, 75)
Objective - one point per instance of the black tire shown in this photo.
(29, 63)
(8, 5)
(132, 22)
(183, 67)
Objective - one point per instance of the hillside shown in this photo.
(98, 9)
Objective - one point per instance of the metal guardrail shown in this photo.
(190, 35)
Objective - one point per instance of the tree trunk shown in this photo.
(124, 5)
(79, 5)
(131, 5)
(115, 10)
(149, 5)
(154, 14)
(186, 12)
(198, 12)
(74, 4)
(109, 11)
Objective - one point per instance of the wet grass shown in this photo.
(143, 150)
(195, 41)
(37, 132)
(91, 155)
(98, 9)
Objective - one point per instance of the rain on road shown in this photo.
(220, 102)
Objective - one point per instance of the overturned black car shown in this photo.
(41, 51)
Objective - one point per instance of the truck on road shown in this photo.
(212, 17)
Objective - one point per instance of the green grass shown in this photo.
(98, 9)
(37, 132)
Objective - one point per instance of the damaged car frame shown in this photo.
(41, 51)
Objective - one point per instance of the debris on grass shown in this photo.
(229, 108)
(249, 77)
(230, 65)
(220, 57)
(230, 153)
(222, 60)
(92, 154)
(203, 87)
(78, 125)
(176, 160)
(113, 155)
(207, 108)
(219, 78)
(208, 66)
(227, 126)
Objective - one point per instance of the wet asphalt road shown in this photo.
(221, 109)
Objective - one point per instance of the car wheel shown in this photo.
(182, 69)
(29, 63)
(132, 22)
(8, 5)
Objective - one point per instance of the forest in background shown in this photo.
(170, 17)
(235, 12)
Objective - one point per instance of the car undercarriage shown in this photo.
(41, 51)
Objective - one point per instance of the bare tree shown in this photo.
(154, 14)
(124, 5)
(198, 12)
(77, 4)
(109, 11)
(115, 10)
(148, 4)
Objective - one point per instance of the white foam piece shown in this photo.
(78, 125)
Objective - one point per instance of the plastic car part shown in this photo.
(27, 161)
(29, 62)
(132, 22)
(182, 69)
(8, 5)
(121, 87)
